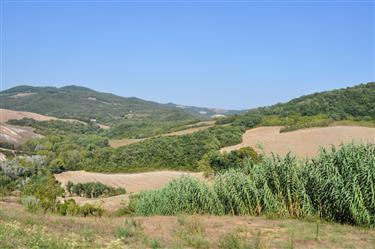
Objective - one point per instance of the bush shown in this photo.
(93, 190)
(45, 189)
(217, 162)
(91, 210)
(70, 207)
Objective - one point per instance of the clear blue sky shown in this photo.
(216, 54)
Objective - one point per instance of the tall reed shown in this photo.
(337, 185)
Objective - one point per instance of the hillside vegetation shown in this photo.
(314, 110)
(91, 152)
(129, 117)
(337, 185)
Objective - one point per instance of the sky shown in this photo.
(224, 54)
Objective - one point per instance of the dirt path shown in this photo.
(303, 143)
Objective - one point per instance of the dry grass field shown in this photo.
(116, 143)
(133, 183)
(22, 227)
(305, 142)
(6, 115)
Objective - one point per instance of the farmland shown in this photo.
(305, 142)
(259, 180)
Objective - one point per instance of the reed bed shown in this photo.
(337, 185)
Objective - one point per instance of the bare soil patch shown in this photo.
(305, 142)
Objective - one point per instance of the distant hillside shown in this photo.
(85, 104)
(352, 103)
(357, 101)
(206, 113)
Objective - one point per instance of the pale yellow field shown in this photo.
(305, 142)
(133, 183)
(6, 115)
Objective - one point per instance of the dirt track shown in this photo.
(303, 143)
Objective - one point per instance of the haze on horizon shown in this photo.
(234, 55)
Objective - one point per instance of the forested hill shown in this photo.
(357, 101)
(353, 103)
(84, 104)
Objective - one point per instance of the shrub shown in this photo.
(131, 230)
(217, 162)
(70, 207)
(93, 190)
(91, 210)
(46, 189)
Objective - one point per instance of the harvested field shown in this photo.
(116, 143)
(131, 182)
(192, 128)
(303, 143)
(6, 115)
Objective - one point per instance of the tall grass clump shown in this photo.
(337, 185)
(341, 183)
(187, 195)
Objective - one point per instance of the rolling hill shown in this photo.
(353, 103)
(128, 117)
(85, 104)
(206, 113)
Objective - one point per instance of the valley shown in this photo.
(104, 171)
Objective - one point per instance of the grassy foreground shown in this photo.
(21, 229)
